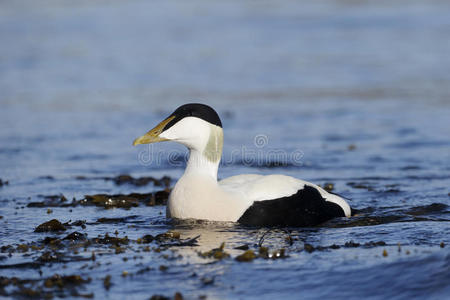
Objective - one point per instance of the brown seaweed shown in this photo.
(140, 181)
(52, 225)
(216, 253)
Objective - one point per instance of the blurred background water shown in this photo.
(360, 89)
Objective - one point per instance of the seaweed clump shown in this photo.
(46, 288)
(216, 253)
(351, 244)
(171, 239)
(140, 181)
(113, 201)
(52, 201)
(50, 226)
(328, 186)
(110, 240)
(126, 201)
(247, 256)
(107, 201)
(263, 252)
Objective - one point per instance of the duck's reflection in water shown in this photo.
(237, 237)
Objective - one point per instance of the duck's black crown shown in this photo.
(198, 110)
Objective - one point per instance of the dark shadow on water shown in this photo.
(370, 216)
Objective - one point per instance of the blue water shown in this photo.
(353, 94)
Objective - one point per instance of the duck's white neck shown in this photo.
(204, 141)
(199, 164)
(204, 157)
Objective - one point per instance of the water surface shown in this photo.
(337, 92)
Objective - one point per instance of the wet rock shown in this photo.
(442, 245)
(50, 226)
(247, 256)
(2, 183)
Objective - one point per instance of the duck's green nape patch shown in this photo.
(213, 149)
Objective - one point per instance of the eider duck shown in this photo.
(249, 199)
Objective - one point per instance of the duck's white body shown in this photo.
(198, 194)
(200, 197)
